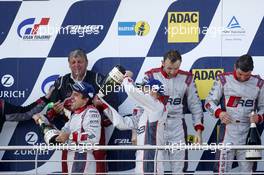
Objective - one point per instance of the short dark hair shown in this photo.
(77, 53)
(173, 56)
(245, 63)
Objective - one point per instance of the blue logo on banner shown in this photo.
(233, 23)
(48, 81)
(126, 28)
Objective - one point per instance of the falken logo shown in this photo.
(233, 23)
(29, 29)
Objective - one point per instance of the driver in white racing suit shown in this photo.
(148, 120)
(178, 84)
(242, 93)
(83, 128)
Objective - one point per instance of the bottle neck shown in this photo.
(40, 121)
(253, 125)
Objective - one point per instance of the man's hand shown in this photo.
(97, 102)
(36, 117)
(225, 118)
(58, 107)
(129, 74)
(48, 95)
(254, 118)
(62, 137)
(198, 139)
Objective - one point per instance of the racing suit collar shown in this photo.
(163, 99)
(235, 75)
(165, 74)
(81, 109)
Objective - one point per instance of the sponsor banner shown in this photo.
(35, 44)
(204, 79)
(140, 28)
(183, 27)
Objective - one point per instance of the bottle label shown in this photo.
(253, 125)
(253, 154)
(50, 134)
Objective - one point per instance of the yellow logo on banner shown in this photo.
(204, 79)
(183, 27)
(142, 28)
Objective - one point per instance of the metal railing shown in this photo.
(84, 148)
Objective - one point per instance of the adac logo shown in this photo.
(183, 27)
(233, 23)
(204, 79)
(140, 28)
(29, 29)
(48, 82)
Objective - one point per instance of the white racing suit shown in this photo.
(148, 120)
(84, 127)
(177, 88)
(240, 98)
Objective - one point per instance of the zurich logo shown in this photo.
(7, 80)
(48, 82)
(233, 23)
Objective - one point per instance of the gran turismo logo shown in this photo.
(29, 29)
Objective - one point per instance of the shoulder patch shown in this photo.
(92, 109)
(222, 78)
(184, 72)
(151, 72)
(189, 77)
(260, 82)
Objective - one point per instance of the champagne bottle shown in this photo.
(253, 138)
(112, 80)
(50, 132)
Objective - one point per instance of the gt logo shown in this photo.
(234, 101)
(7, 80)
(175, 101)
(141, 130)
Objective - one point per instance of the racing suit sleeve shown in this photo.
(144, 100)
(122, 123)
(260, 104)
(66, 127)
(213, 99)
(21, 113)
(195, 106)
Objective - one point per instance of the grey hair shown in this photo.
(77, 53)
